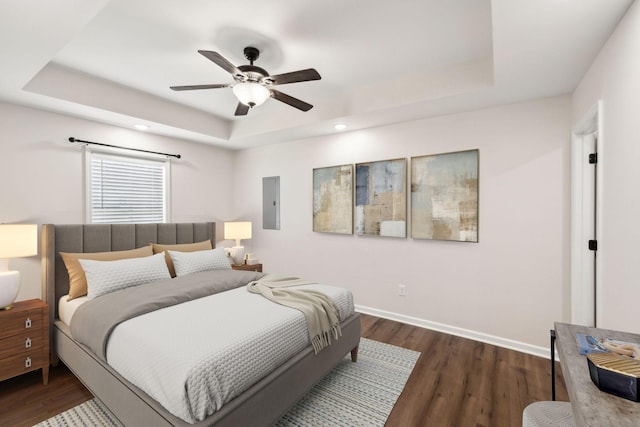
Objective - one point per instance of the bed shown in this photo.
(260, 404)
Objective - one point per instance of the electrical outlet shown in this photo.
(402, 290)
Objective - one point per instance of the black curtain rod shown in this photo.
(72, 139)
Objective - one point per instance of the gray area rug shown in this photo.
(352, 394)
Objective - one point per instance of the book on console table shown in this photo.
(588, 344)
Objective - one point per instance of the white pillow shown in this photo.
(192, 262)
(108, 276)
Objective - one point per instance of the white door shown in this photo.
(584, 233)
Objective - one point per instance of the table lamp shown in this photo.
(237, 231)
(16, 240)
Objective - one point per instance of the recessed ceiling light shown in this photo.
(340, 126)
(141, 126)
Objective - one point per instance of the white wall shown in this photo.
(614, 77)
(513, 284)
(42, 175)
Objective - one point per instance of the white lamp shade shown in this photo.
(237, 230)
(18, 240)
(251, 94)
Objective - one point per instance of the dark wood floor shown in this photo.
(456, 382)
(459, 382)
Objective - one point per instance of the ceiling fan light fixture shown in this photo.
(251, 94)
(253, 84)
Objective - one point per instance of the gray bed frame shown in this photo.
(261, 405)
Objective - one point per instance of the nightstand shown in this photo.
(247, 267)
(24, 339)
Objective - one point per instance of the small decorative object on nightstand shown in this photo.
(247, 267)
(251, 259)
(24, 339)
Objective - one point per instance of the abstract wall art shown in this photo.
(381, 198)
(333, 199)
(444, 196)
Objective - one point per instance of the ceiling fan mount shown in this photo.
(253, 84)
(251, 53)
(252, 73)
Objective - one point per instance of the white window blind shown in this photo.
(124, 189)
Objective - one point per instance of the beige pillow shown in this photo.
(77, 278)
(181, 247)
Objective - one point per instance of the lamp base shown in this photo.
(9, 287)
(237, 254)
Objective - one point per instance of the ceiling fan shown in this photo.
(253, 85)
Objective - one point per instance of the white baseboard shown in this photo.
(460, 332)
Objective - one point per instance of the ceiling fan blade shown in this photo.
(295, 76)
(242, 109)
(288, 99)
(195, 87)
(221, 61)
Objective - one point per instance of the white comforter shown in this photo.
(196, 356)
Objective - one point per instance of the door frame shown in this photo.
(585, 297)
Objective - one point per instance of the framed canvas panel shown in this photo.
(333, 199)
(444, 196)
(381, 198)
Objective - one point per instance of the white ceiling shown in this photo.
(381, 62)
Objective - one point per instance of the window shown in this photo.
(126, 189)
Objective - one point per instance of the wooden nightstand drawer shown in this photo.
(247, 267)
(22, 343)
(24, 339)
(18, 322)
(21, 364)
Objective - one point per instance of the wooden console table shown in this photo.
(592, 407)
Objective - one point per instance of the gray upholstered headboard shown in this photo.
(102, 238)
